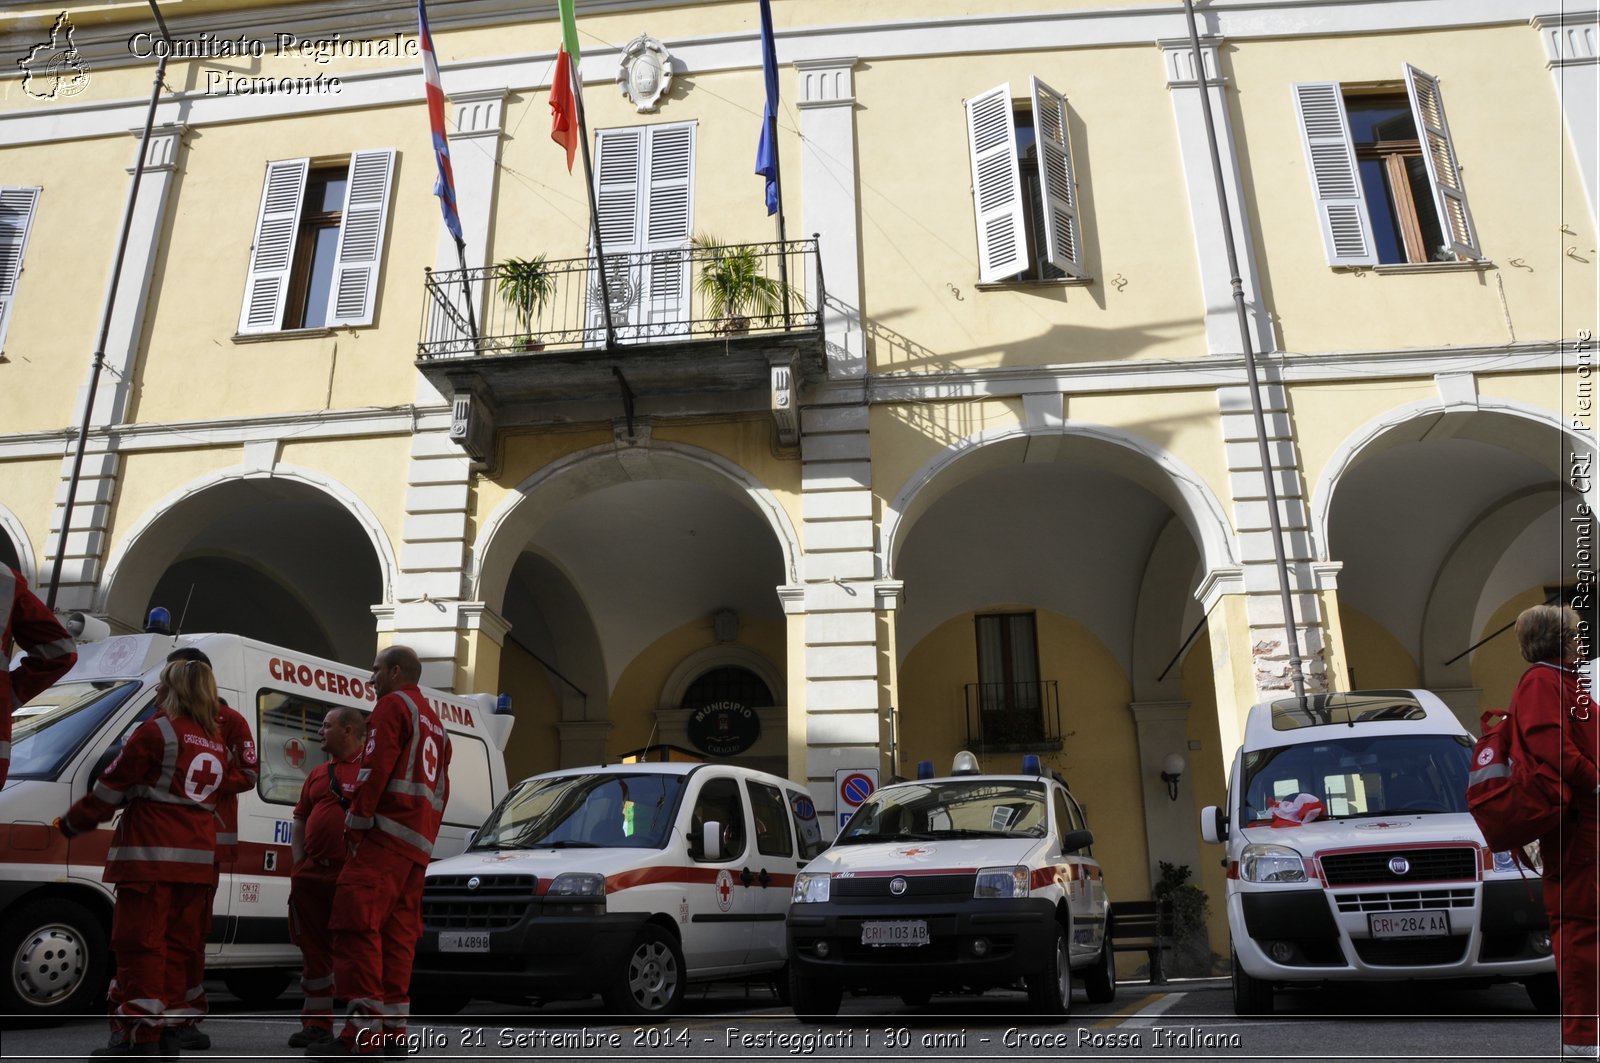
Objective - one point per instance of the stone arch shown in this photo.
(1146, 464)
(136, 562)
(517, 519)
(14, 531)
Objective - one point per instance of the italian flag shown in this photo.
(563, 103)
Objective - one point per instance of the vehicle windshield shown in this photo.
(952, 808)
(585, 811)
(1360, 775)
(48, 730)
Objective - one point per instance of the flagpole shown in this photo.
(783, 243)
(466, 284)
(594, 210)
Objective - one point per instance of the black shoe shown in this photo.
(168, 1046)
(127, 1048)
(193, 1039)
(307, 1036)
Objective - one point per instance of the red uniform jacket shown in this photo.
(404, 781)
(50, 652)
(166, 780)
(324, 818)
(243, 771)
(1557, 717)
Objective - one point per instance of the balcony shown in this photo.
(674, 343)
(1013, 717)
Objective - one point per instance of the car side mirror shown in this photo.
(711, 841)
(1213, 825)
(1077, 840)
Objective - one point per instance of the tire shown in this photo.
(1251, 996)
(1050, 987)
(1545, 992)
(1100, 981)
(650, 978)
(56, 961)
(257, 987)
(813, 999)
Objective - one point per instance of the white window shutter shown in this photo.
(1444, 169)
(1335, 179)
(618, 177)
(358, 259)
(1063, 234)
(669, 219)
(266, 287)
(17, 207)
(996, 185)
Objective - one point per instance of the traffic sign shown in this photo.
(854, 785)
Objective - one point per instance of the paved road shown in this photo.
(1186, 1020)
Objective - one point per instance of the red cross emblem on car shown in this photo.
(294, 751)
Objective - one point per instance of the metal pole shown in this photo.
(466, 284)
(594, 210)
(1296, 674)
(783, 243)
(105, 316)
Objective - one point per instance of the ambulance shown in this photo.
(964, 883)
(1351, 855)
(627, 880)
(55, 912)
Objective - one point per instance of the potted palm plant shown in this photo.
(526, 284)
(733, 287)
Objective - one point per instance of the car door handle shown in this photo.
(746, 877)
(764, 878)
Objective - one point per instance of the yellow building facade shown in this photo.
(988, 479)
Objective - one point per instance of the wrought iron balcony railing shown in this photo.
(1013, 715)
(689, 293)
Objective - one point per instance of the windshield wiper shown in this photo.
(958, 832)
(903, 836)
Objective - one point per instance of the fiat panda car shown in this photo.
(1351, 854)
(963, 883)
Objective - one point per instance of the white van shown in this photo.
(55, 912)
(627, 880)
(1351, 855)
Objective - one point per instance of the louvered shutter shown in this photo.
(272, 254)
(996, 186)
(669, 196)
(618, 169)
(1335, 179)
(1063, 237)
(1444, 169)
(357, 261)
(17, 206)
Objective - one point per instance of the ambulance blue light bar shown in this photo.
(924, 769)
(502, 704)
(159, 622)
(1030, 765)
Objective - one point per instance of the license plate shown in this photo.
(455, 941)
(906, 933)
(1409, 924)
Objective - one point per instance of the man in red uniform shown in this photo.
(243, 771)
(319, 855)
(50, 652)
(394, 818)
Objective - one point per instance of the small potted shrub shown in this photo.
(733, 287)
(526, 284)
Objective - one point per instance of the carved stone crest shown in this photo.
(645, 73)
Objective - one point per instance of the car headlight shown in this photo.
(1005, 882)
(1505, 861)
(812, 887)
(577, 886)
(1271, 863)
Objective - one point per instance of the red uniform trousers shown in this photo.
(1572, 902)
(196, 1005)
(377, 919)
(310, 908)
(156, 932)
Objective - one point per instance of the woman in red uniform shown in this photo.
(1553, 707)
(166, 780)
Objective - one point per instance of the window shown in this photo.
(718, 803)
(287, 727)
(772, 820)
(319, 238)
(1024, 195)
(806, 827)
(1008, 678)
(728, 683)
(644, 196)
(16, 219)
(1384, 173)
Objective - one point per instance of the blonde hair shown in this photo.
(1543, 631)
(191, 689)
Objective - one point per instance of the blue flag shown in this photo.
(767, 149)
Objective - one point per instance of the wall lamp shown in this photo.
(1171, 772)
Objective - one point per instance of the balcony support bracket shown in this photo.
(785, 403)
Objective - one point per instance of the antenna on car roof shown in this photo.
(183, 615)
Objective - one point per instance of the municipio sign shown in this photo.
(724, 728)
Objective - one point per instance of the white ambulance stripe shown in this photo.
(160, 853)
(434, 793)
